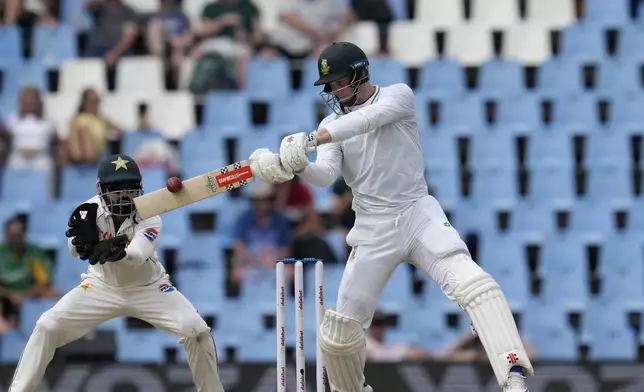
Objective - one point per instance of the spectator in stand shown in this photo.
(262, 235)
(115, 30)
(468, 348)
(89, 131)
(308, 26)
(29, 13)
(169, 36)
(295, 200)
(377, 11)
(230, 31)
(378, 350)
(31, 138)
(25, 271)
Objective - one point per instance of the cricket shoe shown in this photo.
(367, 388)
(516, 381)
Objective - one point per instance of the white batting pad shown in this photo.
(343, 344)
(484, 302)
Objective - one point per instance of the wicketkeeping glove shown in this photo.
(109, 250)
(83, 230)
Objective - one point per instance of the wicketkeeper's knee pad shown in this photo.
(342, 342)
(482, 299)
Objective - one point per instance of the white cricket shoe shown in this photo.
(516, 383)
(367, 388)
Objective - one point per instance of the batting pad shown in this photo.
(484, 302)
(343, 344)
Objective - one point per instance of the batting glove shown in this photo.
(295, 149)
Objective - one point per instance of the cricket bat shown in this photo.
(194, 189)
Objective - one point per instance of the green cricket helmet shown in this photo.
(118, 182)
(337, 61)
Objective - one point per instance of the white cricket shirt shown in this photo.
(141, 266)
(377, 148)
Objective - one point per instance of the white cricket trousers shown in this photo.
(421, 235)
(93, 302)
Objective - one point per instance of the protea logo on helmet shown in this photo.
(324, 67)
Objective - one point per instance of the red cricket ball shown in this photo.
(174, 184)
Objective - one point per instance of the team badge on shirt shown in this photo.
(166, 288)
(151, 234)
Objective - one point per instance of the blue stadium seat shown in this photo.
(609, 183)
(131, 141)
(12, 344)
(48, 223)
(626, 112)
(629, 47)
(227, 222)
(503, 257)
(322, 198)
(550, 146)
(78, 182)
(577, 112)
(636, 215)
(175, 228)
(427, 322)
(201, 284)
(309, 76)
(385, 71)
(439, 147)
(227, 112)
(519, 113)
(54, 44)
(297, 114)
(533, 218)
(463, 115)
(258, 349)
(605, 327)
(606, 14)
(546, 327)
(398, 9)
(442, 77)
(500, 77)
(202, 146)
(564, 270)
(154, 178)
(621, 268)
(619, 77)
(67, 274)
(607, 147)
(262, 138)
(398, 288)
(11, 44)
(141, 346)
(75, 14)
(560, 76)
(493, 149)
(591, 217)
(18, 76)
(267, 79)
(28, 187)
(583, 43)
(31, 311)
(496, 183)
(551, 183)
(478, 216)
(444, 184)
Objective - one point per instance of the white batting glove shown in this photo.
(266, 167)
(295, 149)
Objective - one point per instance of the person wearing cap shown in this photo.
(262, 235)
(372, 139)
(124, 279)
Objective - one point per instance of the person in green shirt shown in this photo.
(231, 31)
(25, 270)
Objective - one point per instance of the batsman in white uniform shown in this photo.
(372, 138)
(124, 278)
